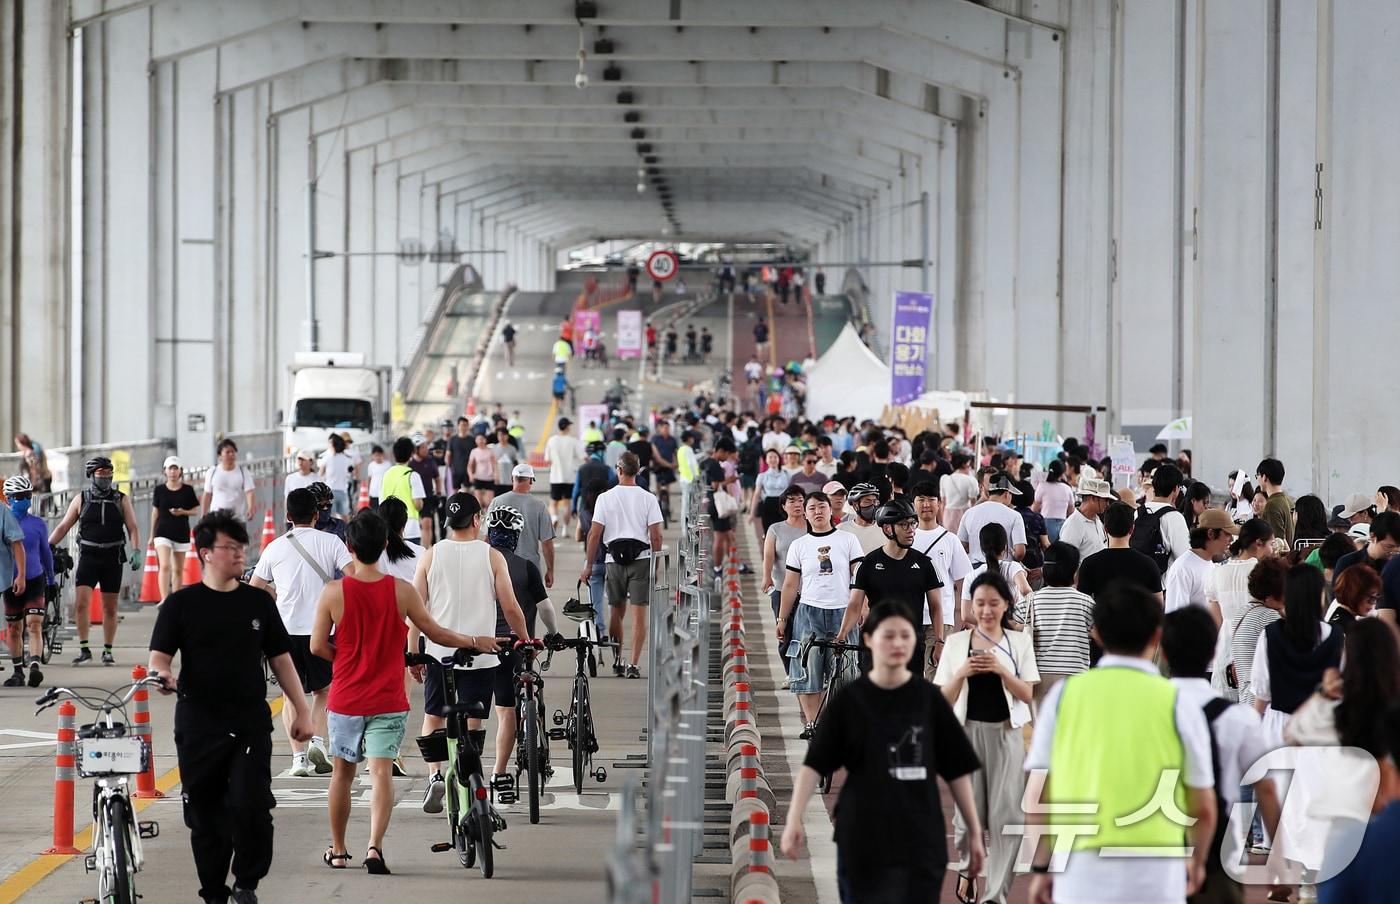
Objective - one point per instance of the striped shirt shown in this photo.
(1246, 638)
(1061, 618)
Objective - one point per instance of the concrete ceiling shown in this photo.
(752, 119)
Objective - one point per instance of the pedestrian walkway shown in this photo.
(561, 858)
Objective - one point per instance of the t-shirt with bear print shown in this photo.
(825, 563)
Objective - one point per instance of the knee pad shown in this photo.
(477, 738)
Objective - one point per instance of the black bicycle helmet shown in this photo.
(99, 463)
(323, 494)
(859, 490)
(895, 511)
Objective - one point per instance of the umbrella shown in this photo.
(1177, 429)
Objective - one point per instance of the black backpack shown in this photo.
(1147, 536)
(750, 453)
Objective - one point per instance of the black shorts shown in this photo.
(100, 568)
(561, 492)
(314, 672)
(473, 686)
(721, 525)
(428, 507)
(664, 476)
(503, 679)
(31, 602)
(487, 485)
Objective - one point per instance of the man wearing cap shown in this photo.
(1383, 541)
(835, 491)
(536, 542)
(426, 467)
(1185, 583)
(563, 453)
(1082, 528)
(997, 509)
(864, 499)
(304, 476)
(403, 483)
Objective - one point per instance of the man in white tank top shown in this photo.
(462, 579)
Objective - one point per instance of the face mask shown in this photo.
(19, 507)
(866, 512)
(101, 484)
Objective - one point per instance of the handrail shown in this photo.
(463, 279)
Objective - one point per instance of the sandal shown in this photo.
(335, 860)
(375, 864)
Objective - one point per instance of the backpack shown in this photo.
(749, 452)
(1147, 537)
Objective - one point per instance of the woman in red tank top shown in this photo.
(367, 706)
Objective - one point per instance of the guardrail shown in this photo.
(677, 699)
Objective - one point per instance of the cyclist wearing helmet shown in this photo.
(101, 512)
(24, 597)
(862, 501)
(325, 514)
(503, 526)
(896, 573)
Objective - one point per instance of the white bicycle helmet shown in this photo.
(18, 486)
(860, 490)
(505, 518)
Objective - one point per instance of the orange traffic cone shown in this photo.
(364, 497)
(471, 406)
(95, 607)
(150, 581)
(193, 573)
(269, 532)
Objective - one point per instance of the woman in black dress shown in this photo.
(895, 735)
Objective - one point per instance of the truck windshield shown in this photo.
(342, 414)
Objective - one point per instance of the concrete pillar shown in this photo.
(34, 280)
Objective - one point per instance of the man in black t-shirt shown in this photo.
(1119, 562)
(896, 573)
(641, 447)
(223, 629)
(712, 473)
(459, 451)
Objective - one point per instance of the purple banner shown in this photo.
(909, 345)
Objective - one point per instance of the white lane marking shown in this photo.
(42, 738)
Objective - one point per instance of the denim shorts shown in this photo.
(341, 503)
(353, 738)
(809, 621)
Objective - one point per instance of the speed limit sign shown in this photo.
(662, 265)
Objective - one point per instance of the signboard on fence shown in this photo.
(583, 321)
(591, 414)
(909, 345)
(629, 334)
(1120, 449)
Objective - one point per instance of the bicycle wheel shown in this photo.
(483, 844)
(118, 877)
(53, 621)
(529, 739)
(578, 743)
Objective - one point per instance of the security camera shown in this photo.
(641, 188)
(581, 80)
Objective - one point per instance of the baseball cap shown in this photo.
(522, 471)
(792, 450)
(461, 509)
(171, 460)
(306, 454)
(833, 487)
(1002, 484)
(565, 422)
(1217, 519)
(417, 439)
(1088, 486)
(1355, 504)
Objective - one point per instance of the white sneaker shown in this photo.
(432, 796)
(787, 683)
(299, 767)
(316, 755)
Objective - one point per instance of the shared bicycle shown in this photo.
(472, 820)
(53, 604)
(841, 671)
(576, 727)
(107, 751)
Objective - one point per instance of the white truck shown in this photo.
(333, 392)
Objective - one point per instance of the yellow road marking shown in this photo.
(35, 871)
(548, 419)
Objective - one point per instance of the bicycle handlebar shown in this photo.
(805, 650)
(109, 700)
(464, 657)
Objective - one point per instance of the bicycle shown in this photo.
(840, 674)
(53, 603)
(577, 727)
(531, 741)
(472, 820)
(106, 752)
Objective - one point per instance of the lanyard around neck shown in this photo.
(1015, 667)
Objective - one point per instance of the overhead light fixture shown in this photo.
(632, 116)
(644, 148)
(638, 134)
(603, 46)
(581, 80)
(650, 158)
(612, 73)
(626, 97)
(585, 9)
(641, 188)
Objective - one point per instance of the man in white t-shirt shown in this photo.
(625, 513)
(295, 568)
(563, 453)
(304, 476)
(1161, 498)
(1083, 529)
(1185, 583)
(375, 471)
(229, 486)
(819, 567)
(997, 509)
(776, 438)
(949, 559)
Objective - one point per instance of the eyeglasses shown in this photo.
(229, 547)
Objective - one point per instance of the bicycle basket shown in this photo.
(99, 757)
(433, 747)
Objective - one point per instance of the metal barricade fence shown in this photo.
(677, 695)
